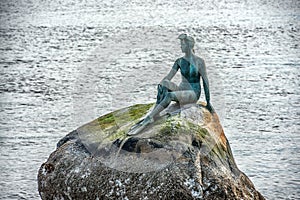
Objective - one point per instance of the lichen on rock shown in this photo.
(184, 154)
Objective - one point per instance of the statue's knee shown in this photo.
(162, 88)
(159, 87)
(171, 96)
(165, 83)
(165, 102)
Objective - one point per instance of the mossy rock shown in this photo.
(182, 155)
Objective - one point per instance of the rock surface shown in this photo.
(183, 155)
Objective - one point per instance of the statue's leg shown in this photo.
(186, 96)
(163, 88)
(166, 100)
(170, 85)
(161, 93)
(163, 100)
(183, 97)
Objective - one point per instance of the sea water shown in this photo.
(64, 63)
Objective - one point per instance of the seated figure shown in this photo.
(192, 68)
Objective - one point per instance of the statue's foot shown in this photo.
(136, 125)
(148, 120)
(137, 128)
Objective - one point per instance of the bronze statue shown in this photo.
(192, 68)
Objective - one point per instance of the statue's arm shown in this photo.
(172, 72)
(205, 85)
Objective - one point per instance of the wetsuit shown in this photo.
(190, 79)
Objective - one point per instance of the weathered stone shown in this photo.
(182, 155)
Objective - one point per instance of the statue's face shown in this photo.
(184, 46)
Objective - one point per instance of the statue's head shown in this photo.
(187, 42)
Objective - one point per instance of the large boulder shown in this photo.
(184, 154)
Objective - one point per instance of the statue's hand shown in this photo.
(210, 108)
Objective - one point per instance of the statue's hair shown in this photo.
(188, 39)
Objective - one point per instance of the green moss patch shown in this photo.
(139, 110)
(106, 120)
(123, 116)
(118, 135)
(115, 125)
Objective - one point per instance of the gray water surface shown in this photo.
(64, 63)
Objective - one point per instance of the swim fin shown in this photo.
(138, 127)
